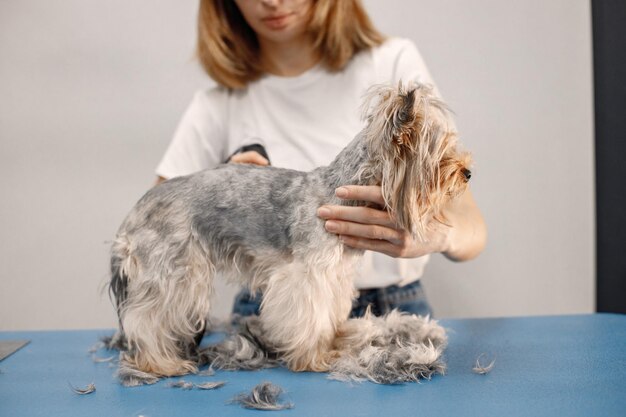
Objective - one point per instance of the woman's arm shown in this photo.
(461, 238)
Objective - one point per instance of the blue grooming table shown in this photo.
(545, 366)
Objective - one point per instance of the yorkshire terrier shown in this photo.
(258, 227)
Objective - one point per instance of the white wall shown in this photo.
(90, 94)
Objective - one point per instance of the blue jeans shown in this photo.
(409, 298)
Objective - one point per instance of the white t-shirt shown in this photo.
(303, 122)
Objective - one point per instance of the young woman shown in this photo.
(291, 75)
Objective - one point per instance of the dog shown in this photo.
(258, 227)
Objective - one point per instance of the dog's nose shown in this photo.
(467, 173)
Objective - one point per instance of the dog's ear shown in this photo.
(402, 118)
(391, 116)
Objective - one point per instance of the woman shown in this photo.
(290, 75)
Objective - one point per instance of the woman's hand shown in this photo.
(372, 228)
(249, 157)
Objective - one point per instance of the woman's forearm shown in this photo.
(467, 232)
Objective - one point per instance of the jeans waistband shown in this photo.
(393, 294)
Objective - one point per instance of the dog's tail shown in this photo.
(118, 290)
(395, 348)
(121, 263)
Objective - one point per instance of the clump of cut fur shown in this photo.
(182, 384)
(482, 369)
(242, 349)
(264, 396)
(392, 349)
(210, 385)
(132, 377)
(84, 391)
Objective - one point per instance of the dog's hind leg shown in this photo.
(166, 305)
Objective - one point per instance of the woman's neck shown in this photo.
(288, 59)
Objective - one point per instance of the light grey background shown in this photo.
(91, 92)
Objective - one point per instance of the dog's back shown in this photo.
(255, 208)
(239, 211)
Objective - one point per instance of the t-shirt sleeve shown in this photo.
(400, 60)
(200, 138)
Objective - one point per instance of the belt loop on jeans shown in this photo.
(383, 301)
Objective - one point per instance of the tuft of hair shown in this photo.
(265, 396)
(210, 385)
(392, 349)
(115, 342)
(242, 349)
(207, 372)
(84, 391)
(131, 377)
(121, 265)
(182, 384)
(483, 369)
(413, 153)
(97, 359)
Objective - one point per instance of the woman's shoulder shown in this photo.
(210, 94)
(210, 102)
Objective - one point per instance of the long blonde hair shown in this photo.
(228, 48)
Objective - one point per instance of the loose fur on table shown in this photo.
(182, 384)
(395, 348)
(210, 385)
(84, 391)
(392, 349)
(483, 369)
(243, 349)
(262, 397)
(258, 226)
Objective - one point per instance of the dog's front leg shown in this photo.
(302, 308)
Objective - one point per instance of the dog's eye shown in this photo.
(467, 173)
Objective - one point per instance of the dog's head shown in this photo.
(412, 143)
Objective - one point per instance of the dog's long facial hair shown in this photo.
(258, 226)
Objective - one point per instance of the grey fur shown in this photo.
(182, 384)
(242, 349)
(211, 385)
(207, 372)
(395, 348)
(481, 369)
(84, 391)
(114, 342)
(131, 377)
(263, 397)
